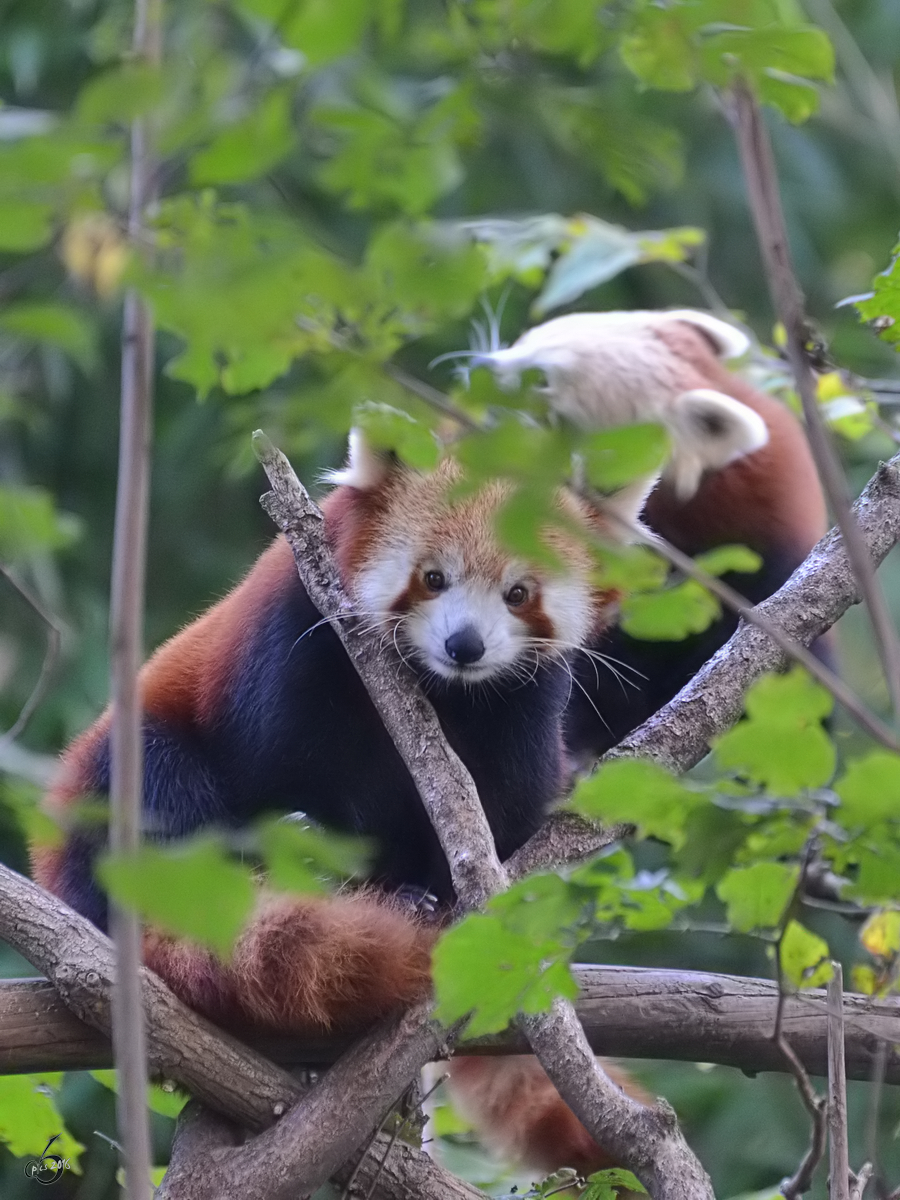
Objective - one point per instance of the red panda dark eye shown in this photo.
(435, 581)
(516, 595)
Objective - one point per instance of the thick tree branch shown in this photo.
(817, 594)
(563, 839)
(626, 1012)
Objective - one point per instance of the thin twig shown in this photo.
(859, 1182)
(815, 1105)
(741, 605)
(48, 666)
(873, 1117)
(838, 1146)
(387, 1154)
(436, 399)
(126, 648)
(758, 165)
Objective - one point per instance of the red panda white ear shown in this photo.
(366, 469)
(727, 340)
(709, 430)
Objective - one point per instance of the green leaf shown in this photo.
(640, 793)
(781, 757)
(882, 307)
(481, 965)
(721, 41)
(522, 521)
(756, 897)
(29, 522)
(393, 429)
(319, 29)
(603, 1185)
(427, 269)
(629, 568)
(164, 1098)
(386, 157)
(29, 1119)
(615, 457)
(729, 558)
(300, 858)
(877, 869)
(192, 889)
(25, 225)
(790, 697)
(671, 614)
(249, 147)
(805, 957)
(781, 744)
(660, 51)
(869, 790)
(122, 93)
(56, 325)
(713, 835)
(541, 907)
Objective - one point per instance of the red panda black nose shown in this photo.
(465, 646)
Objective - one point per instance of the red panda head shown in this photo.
(616, 368)
(432, 572)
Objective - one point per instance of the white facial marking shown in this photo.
(467, 602)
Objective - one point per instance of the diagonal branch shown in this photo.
(817, 594)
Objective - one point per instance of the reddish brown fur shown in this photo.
(306, 965)
(769, 499)
(521, 1117)
(533, 615)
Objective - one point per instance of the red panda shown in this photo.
(740, 472)
(255, 706)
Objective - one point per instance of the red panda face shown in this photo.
(432, 574)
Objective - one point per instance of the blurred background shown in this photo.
(539, 132)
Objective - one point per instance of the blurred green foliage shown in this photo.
(344, 187)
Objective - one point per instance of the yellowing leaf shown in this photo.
(805, 957)
(881, 933)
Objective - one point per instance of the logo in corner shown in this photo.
(49, 1167)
